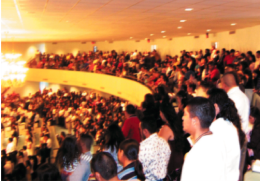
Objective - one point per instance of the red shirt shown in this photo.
(131, 130)
(214, 74)
(229, 60)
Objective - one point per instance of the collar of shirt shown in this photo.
(149, 138)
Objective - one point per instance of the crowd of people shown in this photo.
(150, 69)
(212, 133)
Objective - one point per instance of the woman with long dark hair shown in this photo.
(112, 139)
(128, 157)
(68, 157)
(227, 127)
(172, 132)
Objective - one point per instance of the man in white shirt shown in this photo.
(154, 153)
(205, 161)
(10, 146)
(225, 131)
(229, 84)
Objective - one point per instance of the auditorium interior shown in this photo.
(83, 78)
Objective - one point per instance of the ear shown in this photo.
(216, 109)
(98, 176)
(145, 132)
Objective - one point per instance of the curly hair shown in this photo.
(227, 110)
(68, 153)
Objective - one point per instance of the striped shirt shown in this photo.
(128, 173)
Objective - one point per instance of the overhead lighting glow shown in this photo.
(164, 36)
(151, 34)
(179, 27)
(208, 30)
(189, 33)
(18, 12)
(233, 24)
(188, 9)
(182, 21)
(163, 31)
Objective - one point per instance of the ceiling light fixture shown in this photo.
(164, 36)
(233, 24)
(162, 31)
(182, 21)
(151, 34)
(188, 9)
(208, 30)
(179, 27)
(131, 37)
(189, 33)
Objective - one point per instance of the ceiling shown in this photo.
(112, 20)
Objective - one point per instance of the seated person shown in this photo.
(48, 172)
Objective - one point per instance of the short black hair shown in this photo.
(87, 140)
(63, 133)
(193, 86)
(203, 109)
(130, 109)
(10, 139)
(48, 172)
(258, 52)
(149, 123)
(104, 164)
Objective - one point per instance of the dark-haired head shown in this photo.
(86, 142)
(225, 108)
(198, 114)
(68, 152)
(128, 152)
(104, 166)
(148, 126)
(48, 172)
(130, 109)
(113, 137)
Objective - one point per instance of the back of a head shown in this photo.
(149, 123)
(130, 109)
(48, 172)
(87, 140)
(230, 79)
(113, 136)
(203, 109)
(218, 96)
(104, 164)
(130, 147)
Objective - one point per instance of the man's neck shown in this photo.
(114, 179)
(85, 150)
(199, 133)
(231, 88)
(126, 163)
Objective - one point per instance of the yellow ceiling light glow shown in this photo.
(182, 21)
(151, 34)
(18, 12)
(163, 31)
(13, 72)
(208, 30)
(179, 27)
(188, 9)
(233, 24)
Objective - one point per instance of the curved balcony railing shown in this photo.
(127, 89)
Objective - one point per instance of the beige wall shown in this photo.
(127, 89)
(243, 40)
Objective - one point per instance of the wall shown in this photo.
(243, 40)
(120, 87)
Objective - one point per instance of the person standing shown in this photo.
(205, 160)
(130, 127)
(154, 151)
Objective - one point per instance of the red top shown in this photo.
(229, 60)
(131, 130)
(214, 74)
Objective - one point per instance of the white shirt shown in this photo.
(9, 147)
(242, 104)
(48, 143)
(205, 161)
(225, 131)
(154, 154)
